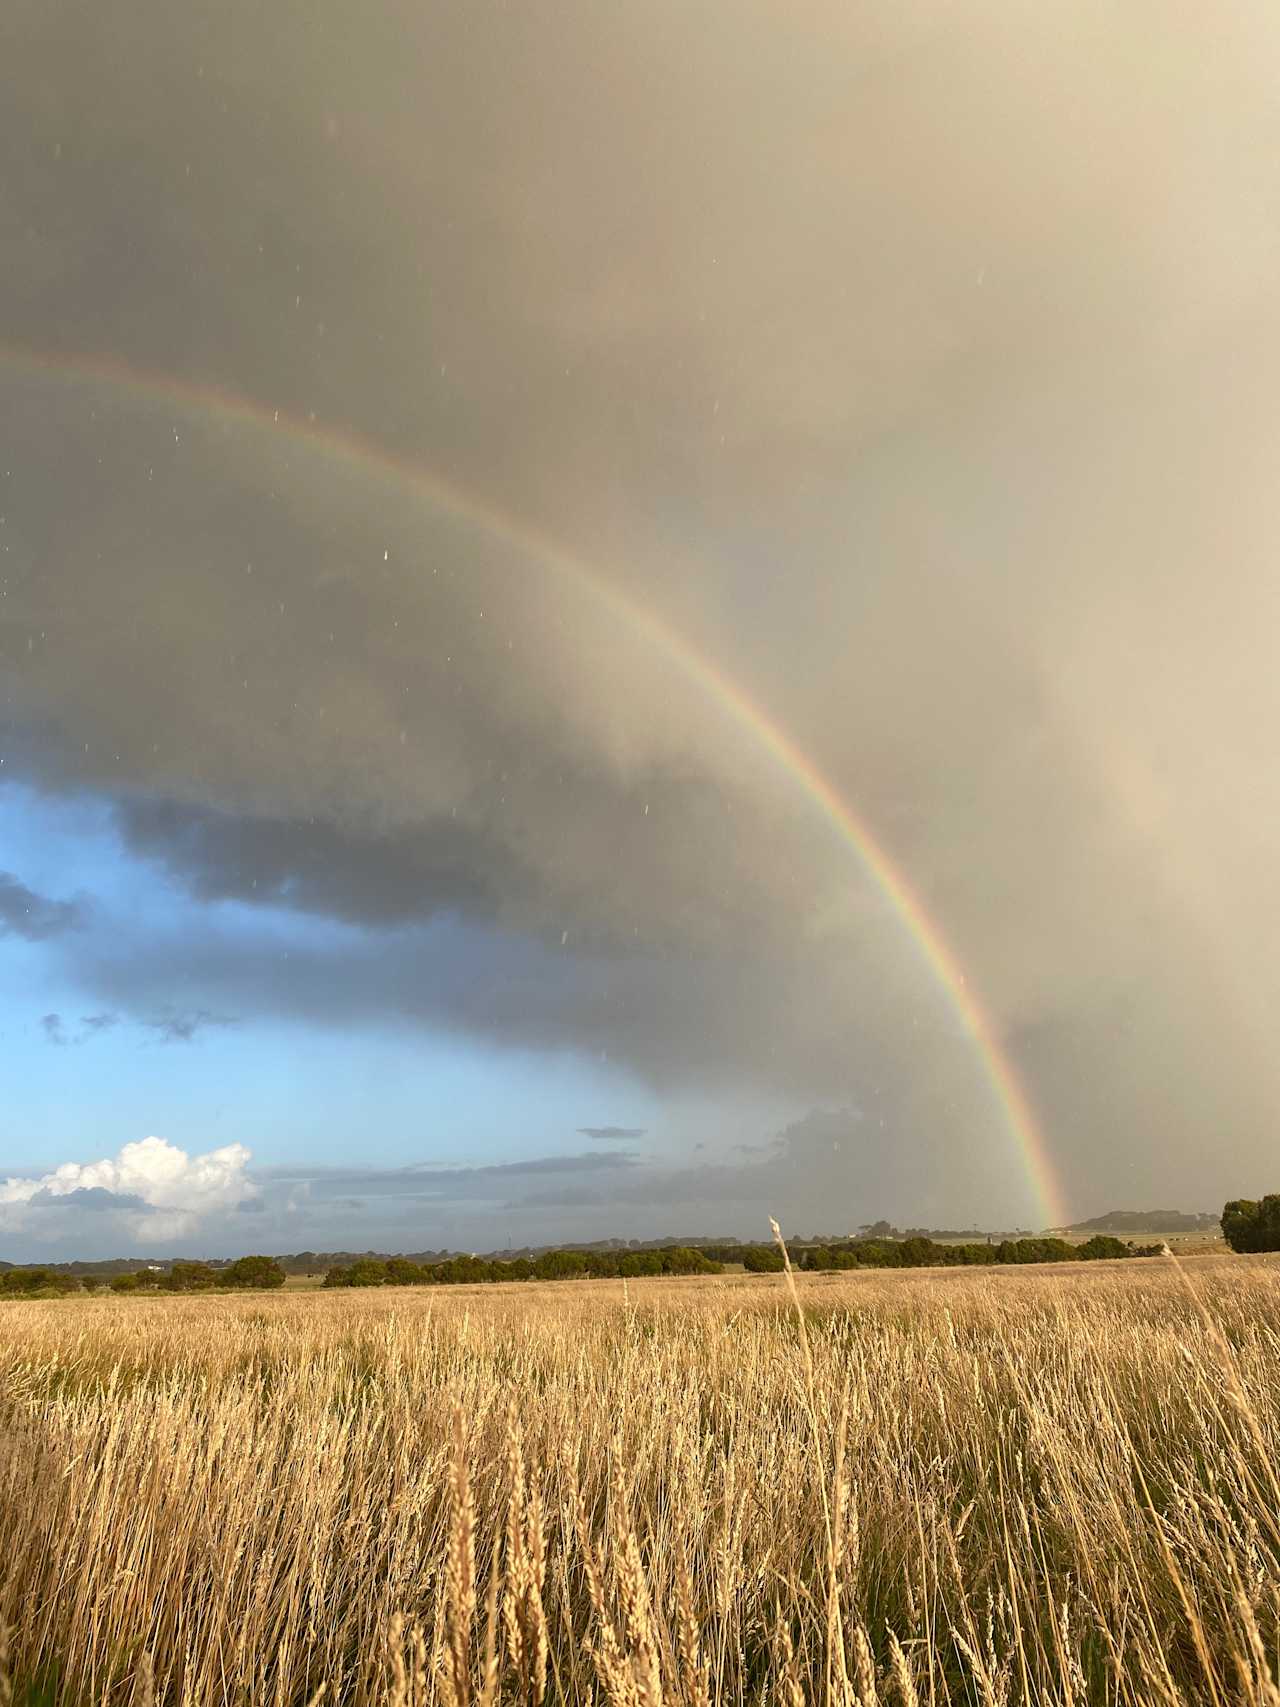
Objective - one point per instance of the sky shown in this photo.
(616, 620)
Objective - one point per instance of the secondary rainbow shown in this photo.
(454, 500)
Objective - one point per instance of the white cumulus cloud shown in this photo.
(151, 1192)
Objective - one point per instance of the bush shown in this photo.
(919, 1253)
(402, 1272)
(1250, 1226)
(190, 1277)
(252, 1272)
(36, 1283)
(1102, 1247)
(560, 1265)
(761, 1259)
(637, 1263)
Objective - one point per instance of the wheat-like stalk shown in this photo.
(1006, 1488)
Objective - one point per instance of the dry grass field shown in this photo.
(1052, 1485)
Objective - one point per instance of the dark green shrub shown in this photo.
(252, 1272)
(560, 1265)
(919, 1253)
(36, 1283)
(761, 1259)
(368, 1271)
(402, 1272)
(1250, 1226)
(1102, 1247)
(190, 1277)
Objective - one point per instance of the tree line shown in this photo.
(711, 1259)
(923, 1252)
(246, 1274)
(1247, 1226)
(550, 1265)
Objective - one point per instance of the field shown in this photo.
(1049, 1485)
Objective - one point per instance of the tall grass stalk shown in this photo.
(932, 1487)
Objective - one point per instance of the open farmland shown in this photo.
(1019, 1486)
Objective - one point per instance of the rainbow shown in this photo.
(447, 497)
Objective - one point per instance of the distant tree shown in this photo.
(124, 1283)
(402, 1272)
(762, 1259)
(685, 1259)
(919, 1253)
(36, 1282)
(1250, 1226)
(560, 1265)
(337, 1276)
(877, 1253)
(1102, 1246)
(253, 1272)
(368, 1271)
(879, 1230)
(974, 1255)
(637, 1263)
(190, 1277)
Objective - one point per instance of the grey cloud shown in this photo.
(825, 1172)
(179, 1026)
(915, 394)
(612, 1131)
(26, 914)
(489, 1183)
(672, 1018)
(87, 1197)
(338, 871)
(57, 1032)
(825, 1165)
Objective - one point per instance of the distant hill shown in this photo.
(1148, 1221)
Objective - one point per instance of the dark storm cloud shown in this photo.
(24, 913)
(919, 368)
(612, 1131)
(674, 1018)
(345, 872)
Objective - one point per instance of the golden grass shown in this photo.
(1030, 1486)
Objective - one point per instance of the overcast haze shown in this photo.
(916, 367)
